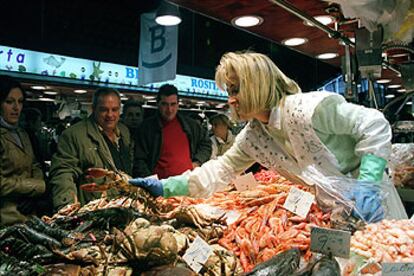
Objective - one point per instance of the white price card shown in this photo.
(397, 269)
(299, 202)
(232, 216)
(330, 241)
(197, 254)
(245, 182)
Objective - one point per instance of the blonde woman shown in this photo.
(289, 131)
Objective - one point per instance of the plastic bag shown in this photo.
(401, 164)
(334, 191)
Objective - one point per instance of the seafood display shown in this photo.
(388, 241)
(248, 232)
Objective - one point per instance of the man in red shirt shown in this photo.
(168, 143)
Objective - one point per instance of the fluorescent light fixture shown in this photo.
(247, 21)
(352, 39)
(124, 98)
(382, 81)
(167, 14)
(393, 86)
(80, 91)
(402, 90)
(409, 103)
(389, 96)
(327, 55)
(38, 87)
(46, 100)
(324, 19)
(399, 55)
(51, 92)
(295, 41)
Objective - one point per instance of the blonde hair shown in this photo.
(261, 83)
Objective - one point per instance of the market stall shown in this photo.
(240, 230)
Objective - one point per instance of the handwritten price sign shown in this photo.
(299, 202)
(197, 254)
(329, 241)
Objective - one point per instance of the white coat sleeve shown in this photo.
(367, 126)
(215, 175)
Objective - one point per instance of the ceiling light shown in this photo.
(38, 87)
(323, 19)
(327, 56)
(247, 21)
(381, 81)
(296, 41)
(399, 55)
(389, 96)
(409, 103)
(124, 98)
(51, 92)
(401, 90)
(168, 14)
(394, 86)
(80, 91)
(46, 100)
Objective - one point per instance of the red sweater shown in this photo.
(175, 156)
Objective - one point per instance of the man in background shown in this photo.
(168, 143)
(132, 115)
(97, 142)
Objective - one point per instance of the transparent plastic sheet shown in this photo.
(401, 165)
(395, 16)
(336, 194)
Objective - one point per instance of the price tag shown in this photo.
(197, 254)
(329, 241)
(245, 182)
(397, 269)
(299, 202)
(232, 216)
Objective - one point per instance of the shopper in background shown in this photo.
(168, 143)
(132, 116)
(21, 179)
(222, 138)
(291, 132)
(99, 141)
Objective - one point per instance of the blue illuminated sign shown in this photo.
(98, 73)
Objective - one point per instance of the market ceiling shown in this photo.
(109, 31)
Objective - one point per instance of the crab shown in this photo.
(199, 215)
(113, 179)
(149, 245)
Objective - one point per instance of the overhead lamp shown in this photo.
(323, 19)
(393, 86)
(46, 100)
(382, 81)
(389, 96)
(295, 41)
(167, 14)
(38, 87)
(402, 90)
(124, 98)
(409, 103)
(50, 92)
(327, 56)
(80, 91)
(247, 21)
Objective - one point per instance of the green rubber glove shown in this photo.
(175, 186)
(372, 168)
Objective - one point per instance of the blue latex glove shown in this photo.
(367, 202)
(152, 185)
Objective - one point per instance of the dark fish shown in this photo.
(282, 264)
(326, 266)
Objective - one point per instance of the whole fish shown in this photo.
(326, 266)
(282, 264)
